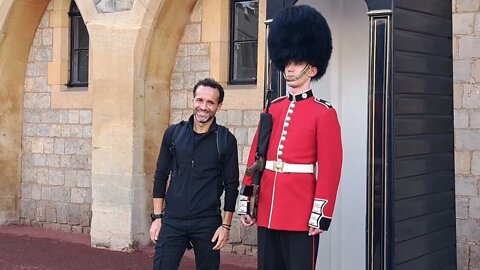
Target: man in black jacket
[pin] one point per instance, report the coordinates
(200, 170)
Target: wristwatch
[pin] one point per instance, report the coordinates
(154, 216)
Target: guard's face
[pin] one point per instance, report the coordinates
(205, 103)
(292, 74)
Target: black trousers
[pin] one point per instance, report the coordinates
(177, 234)
(286, 250)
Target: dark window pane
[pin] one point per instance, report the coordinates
(83, 66)
(243, 42)
(79, 75)
(82, 34)
(78, 49)
(74, 65)
(245, 26)
(244, 61)
(73, 8)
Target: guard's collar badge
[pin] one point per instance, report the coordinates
(301, 96)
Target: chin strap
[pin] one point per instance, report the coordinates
(292, 78)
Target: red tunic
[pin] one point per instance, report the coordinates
(305, 131)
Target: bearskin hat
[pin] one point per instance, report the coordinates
(300, 33)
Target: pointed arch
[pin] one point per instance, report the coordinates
(18, 24)
(158, 61)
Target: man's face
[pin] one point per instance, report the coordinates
(205, 103)
(293, 69)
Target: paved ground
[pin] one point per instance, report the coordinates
(31, 248)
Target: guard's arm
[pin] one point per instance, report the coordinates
(231, 175)
(246, 189)
(329, 158)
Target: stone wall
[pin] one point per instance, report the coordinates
(192, 64)
(466, 30)
(56, 143)
(111, 6)
(56, 160)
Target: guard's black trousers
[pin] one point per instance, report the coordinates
(177, 234)
(286, 250)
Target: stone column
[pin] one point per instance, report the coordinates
(118, 209)
(466, 64)
(123, 71)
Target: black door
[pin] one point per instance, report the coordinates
(411, 223)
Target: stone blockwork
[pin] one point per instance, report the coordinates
(111, 6)
(56, 162)
(192, 64)
(466, 30)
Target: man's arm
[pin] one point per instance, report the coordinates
(231, 175)
(157, 223)
(160, 181)
(163, 165)
(227, 218)
(223, 232)
(157, 205)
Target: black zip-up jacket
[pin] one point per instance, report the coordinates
(196, 185)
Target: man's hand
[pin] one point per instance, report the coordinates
(314, 231)
(247, 220)
(221, 236)
(155, 229)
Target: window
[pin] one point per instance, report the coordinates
(243, 42)
(78, 48)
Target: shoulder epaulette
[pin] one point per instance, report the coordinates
(324, 103)
(278, 99)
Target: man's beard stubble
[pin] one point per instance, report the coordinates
(210, 117)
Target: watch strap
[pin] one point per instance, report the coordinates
(154, 216)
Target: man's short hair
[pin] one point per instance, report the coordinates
(209, 82)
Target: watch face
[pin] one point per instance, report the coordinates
(154, 217)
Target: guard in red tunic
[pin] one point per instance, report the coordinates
(299, 185)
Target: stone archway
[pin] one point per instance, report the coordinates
(130, 111)
(159, 62)
(18, 27)
(149, 34)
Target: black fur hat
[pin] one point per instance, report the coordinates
(300, 33)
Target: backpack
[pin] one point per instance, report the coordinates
(179, 132)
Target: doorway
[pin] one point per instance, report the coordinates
(345, 85)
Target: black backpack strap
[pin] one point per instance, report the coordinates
(172, 141)
(222, 144)
(222, 138)
(178, 131)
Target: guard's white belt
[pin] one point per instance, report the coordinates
(283, 167)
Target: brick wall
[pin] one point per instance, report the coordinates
(56, 143)
(466, 43)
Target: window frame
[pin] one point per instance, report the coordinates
(75, 18)
(232, 44)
